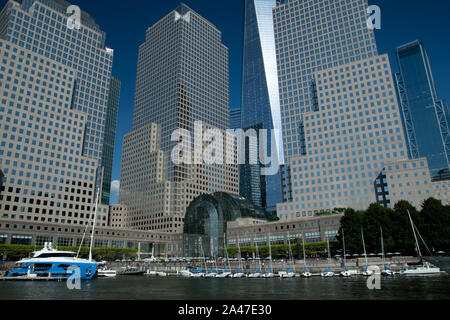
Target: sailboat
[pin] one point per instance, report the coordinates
(306, 273)
(239, 274)
(255, 273)
(269, 273)
(288, 273)
(212, 273)
(344, 273)
(367, 272)
(425, 269)
(387, 271)
(199, 273)
(328, 273)
(226, 273)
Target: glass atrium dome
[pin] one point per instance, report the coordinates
(205, 223)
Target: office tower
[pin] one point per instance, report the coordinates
(260, 104)
(182, 79)
(338, 106)
(46, 176)
(425, 117)
(409, 180)
(110, 135)
(2, 178)
(235, 119)
(41, 26)
(311, 37)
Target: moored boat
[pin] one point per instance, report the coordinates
(426, 269)
(106, 273)
(53, 263)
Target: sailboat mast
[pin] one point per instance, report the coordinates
(239, 250)
(414, 232)
(270, 254)
(329, 253)
(257, 255)
(304, 255)
(343, 243)
(203, 254)
(364, 245)
(93, 226)
(290, 253)
(382, 246)
(226, 250)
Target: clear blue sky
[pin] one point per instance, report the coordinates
(125, 23)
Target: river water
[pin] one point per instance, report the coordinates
(174, 288)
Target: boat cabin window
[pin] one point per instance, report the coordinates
(41, 266)
(66, 266)
(56, 254)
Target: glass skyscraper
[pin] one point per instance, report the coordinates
(425, 117)
(260, 106)
(110, 135)
(182, 77)
(235, 119)
(41, 26)
(338, 106)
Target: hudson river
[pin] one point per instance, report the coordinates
(174, 288)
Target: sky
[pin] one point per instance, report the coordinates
(125, 23)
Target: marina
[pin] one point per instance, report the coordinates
(178, 288)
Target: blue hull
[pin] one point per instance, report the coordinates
(58, 270)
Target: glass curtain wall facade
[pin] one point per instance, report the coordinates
(339, 109)
(425, 117)
(41, 26)
(110, 136)
(260, 98)
(206, 221)
(312, 36)
(235, 119)
(182, 78)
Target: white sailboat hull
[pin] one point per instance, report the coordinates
(106, 273)
(306, 275)
(254, 275)
(284, 274)
(224, 275)
(211, 275)
(198, 275)
(268, 275)
(345, 274)
(239, 275)
(421, 271)
(186, 274)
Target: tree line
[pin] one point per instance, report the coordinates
(432, 223)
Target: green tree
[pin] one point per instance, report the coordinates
(435, 225)
(351, 223)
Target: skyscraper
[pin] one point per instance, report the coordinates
(260, 104)
(41, 26)
(182, 79)
(110, 135)
(338, 106)
(425, 117)
(235, 119)
(46, 177)
(55, 85)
